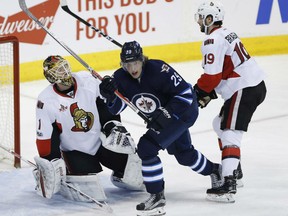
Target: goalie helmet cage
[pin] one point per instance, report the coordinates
(9, 98)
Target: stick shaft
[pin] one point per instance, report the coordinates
(65, 7)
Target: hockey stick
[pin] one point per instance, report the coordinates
(23, 6)
(65, 7)
(103, 206)
(18, 156)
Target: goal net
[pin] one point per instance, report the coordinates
(9, 100)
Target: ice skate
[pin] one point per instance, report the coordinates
(239, 175)
(224, 193)
(216, 176)
(153, 206)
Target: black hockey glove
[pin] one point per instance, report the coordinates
(107, 88)
(203, 97)
(160, 119)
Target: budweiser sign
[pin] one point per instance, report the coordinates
(27, 31)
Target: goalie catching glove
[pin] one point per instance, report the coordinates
(203, 97)
(48, 176)
(116, 138)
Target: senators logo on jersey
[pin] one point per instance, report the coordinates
(83, 120)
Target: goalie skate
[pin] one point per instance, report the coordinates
(222, 198)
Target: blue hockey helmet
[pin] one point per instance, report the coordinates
(131, 51)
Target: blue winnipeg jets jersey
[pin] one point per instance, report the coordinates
(159, 86)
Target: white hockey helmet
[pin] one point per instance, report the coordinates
(57, 70)
(210, 8)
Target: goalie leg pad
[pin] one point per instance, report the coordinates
(88, 184)
(132, 179)
(48, 176)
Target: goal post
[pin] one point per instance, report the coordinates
(9, 99)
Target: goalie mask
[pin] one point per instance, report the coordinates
(210, 8)
(57, 70)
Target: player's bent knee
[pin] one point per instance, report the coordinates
(147, 149)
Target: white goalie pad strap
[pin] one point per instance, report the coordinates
(119, 140)
(48, 176)
(87, 184)
(132, 179)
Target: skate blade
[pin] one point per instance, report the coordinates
(154, 212)
(222, 198)
(239, 183)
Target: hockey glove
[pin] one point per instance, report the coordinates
(117, 138)
(107, 88)
(160, 119)
(203, 97)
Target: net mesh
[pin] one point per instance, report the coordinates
(6, 100)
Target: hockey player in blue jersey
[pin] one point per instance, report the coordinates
(171, 105)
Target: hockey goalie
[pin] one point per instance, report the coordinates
(77, 135)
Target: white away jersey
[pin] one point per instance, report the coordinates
(76, 117)
(227, 65)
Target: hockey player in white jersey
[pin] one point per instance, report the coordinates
(232, 73)
(77, 135)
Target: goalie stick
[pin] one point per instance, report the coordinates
(65, 7)
(102, 206)
(23, 6)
